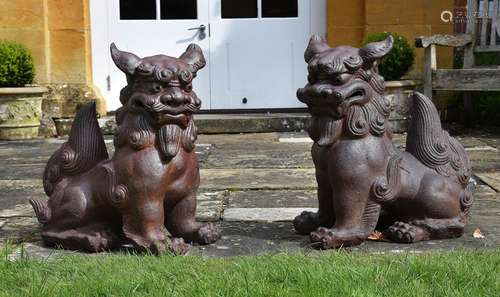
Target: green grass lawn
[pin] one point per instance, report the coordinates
(329, 273)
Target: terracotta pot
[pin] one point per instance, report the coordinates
(20, 112)
(398, 92)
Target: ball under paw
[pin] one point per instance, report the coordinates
(178, 246)
(306, 222)
(209, 233)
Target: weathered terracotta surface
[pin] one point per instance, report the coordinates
(149, 185)
(363, 180)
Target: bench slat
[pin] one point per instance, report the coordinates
(491, 48)
(466, 79)
(443, 40)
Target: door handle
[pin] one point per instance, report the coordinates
(201, 31)
(201, 28)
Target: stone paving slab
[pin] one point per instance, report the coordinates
(249, 138)
(12, 196)
(210, 205)
(273, 199)
(484, 161)
(256, 214)
(265, 155)
(257, 179)
(491, 179)
(19, 229)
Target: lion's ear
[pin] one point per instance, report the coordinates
(374, 51)
(125, 61)
(316, 45)
(194, 57)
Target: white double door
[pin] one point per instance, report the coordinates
(254, 48)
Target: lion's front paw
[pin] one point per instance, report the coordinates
(306, 222)
(208, 233)
(178, 246)
(404, 232)
(324, 237)
(331, 238)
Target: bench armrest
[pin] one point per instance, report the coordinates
(443, 40)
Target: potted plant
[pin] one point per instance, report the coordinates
(20, 101)
(393, 67)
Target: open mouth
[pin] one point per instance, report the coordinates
(179, 119)
(357, 95)
(331, 100)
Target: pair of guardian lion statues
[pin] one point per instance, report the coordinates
(145, 194)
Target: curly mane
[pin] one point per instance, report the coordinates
(138, 133)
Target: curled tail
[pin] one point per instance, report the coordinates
(436, 149)
(42, 210)
(84, 149)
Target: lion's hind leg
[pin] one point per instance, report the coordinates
(94, 238)
(427, 229)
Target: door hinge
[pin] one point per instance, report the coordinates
(108, 83)
(209, 33)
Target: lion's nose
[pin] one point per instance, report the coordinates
(174, 99)
(301, 92)
(149, 102)
(327, 92)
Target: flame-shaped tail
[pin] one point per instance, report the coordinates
(436, 149)
(84, 150)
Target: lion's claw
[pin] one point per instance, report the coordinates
(326, 237)
(178, 246)
(403, 232)
(333, 238)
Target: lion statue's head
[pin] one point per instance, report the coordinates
(344, 93)
(158, 100)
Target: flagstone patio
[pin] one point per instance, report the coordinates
(253, 184)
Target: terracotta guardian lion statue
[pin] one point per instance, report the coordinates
(363, 180)
(149, 185)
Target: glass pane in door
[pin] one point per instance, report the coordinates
(179, 9)
(238, 9)
(137, 9)
(279, 8)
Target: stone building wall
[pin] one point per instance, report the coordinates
(58, 34)
(349, 22)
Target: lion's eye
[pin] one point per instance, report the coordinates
(156, 88)
(185, 76)
(341, 78)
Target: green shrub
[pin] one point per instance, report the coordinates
(399, 60)
(16, 65)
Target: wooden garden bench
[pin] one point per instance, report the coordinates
(482, 35)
